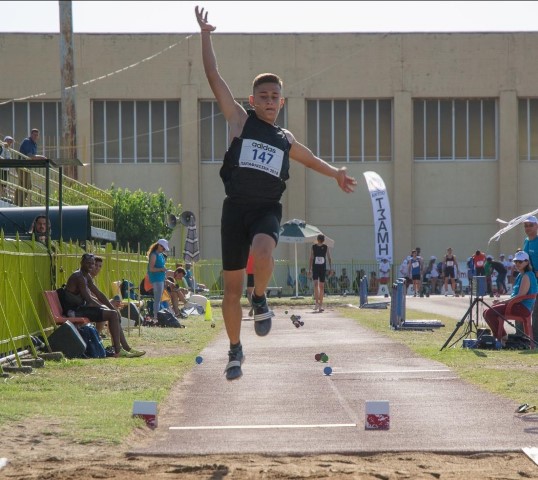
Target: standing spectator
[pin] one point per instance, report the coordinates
(432, 274)
(28, 148)
(500, 280)
(504, 263)
(509, 265)
(470, 270)
(157, 272)
(403, 271)
(5, 153)
(319, 258)
(489, 274)
(251, 212)
(359, 274)
(530, 246)
(415, 272)
(451, 271)
(479, 259)
(384, 271)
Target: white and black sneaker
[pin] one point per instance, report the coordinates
(262, 317)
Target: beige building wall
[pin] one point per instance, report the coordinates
(434, 204)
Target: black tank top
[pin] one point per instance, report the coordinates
(256, 165)
(319, 254)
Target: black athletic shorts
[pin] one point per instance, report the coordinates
(450, 272)
(93, 314)
(240, 222)
(318, 273)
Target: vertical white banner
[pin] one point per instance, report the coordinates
(382, 219)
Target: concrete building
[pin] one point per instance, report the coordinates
(448, 120)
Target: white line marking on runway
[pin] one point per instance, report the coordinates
(251, 427)
(336, 370)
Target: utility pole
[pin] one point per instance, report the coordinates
(67, 66)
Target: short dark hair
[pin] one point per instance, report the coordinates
(266, 78)
(321, 238)
(180, 270)
(98, 259)
(85, 256)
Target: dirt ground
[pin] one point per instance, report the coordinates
(34, 451)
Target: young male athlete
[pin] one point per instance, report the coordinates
(318, 267)
(254, 172)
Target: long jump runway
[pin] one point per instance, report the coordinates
(285, 404)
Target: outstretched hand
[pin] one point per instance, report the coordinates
(346, 183)
(205, 26)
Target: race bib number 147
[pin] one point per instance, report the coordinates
(261, 156)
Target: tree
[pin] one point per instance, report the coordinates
(141, 217)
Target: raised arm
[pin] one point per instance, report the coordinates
(304, 155)
(234, 113)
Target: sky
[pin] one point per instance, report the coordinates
(274, 17)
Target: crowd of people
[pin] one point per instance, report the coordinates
(437, 275)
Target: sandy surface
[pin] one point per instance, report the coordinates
(33, 454)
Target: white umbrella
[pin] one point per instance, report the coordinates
(298, 231)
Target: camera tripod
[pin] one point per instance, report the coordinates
(472, 325)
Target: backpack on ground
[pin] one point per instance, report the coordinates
(167, 319)
(94, 345)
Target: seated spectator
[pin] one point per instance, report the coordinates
(373, 284)
(98, 265)
(84, 298)
(303, 281)
(189, 277)
(525, 284)
(218, 286)
(332, 282)
(128, 314)
(343, 282)
(175, 286)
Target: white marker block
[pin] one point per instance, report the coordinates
(383, 289)
(147, 411)
(377, 415)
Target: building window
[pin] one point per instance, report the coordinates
(350, 130)
(528, 128)
(139, 131)
(458, 129)
(18, 118)
(214, 130)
